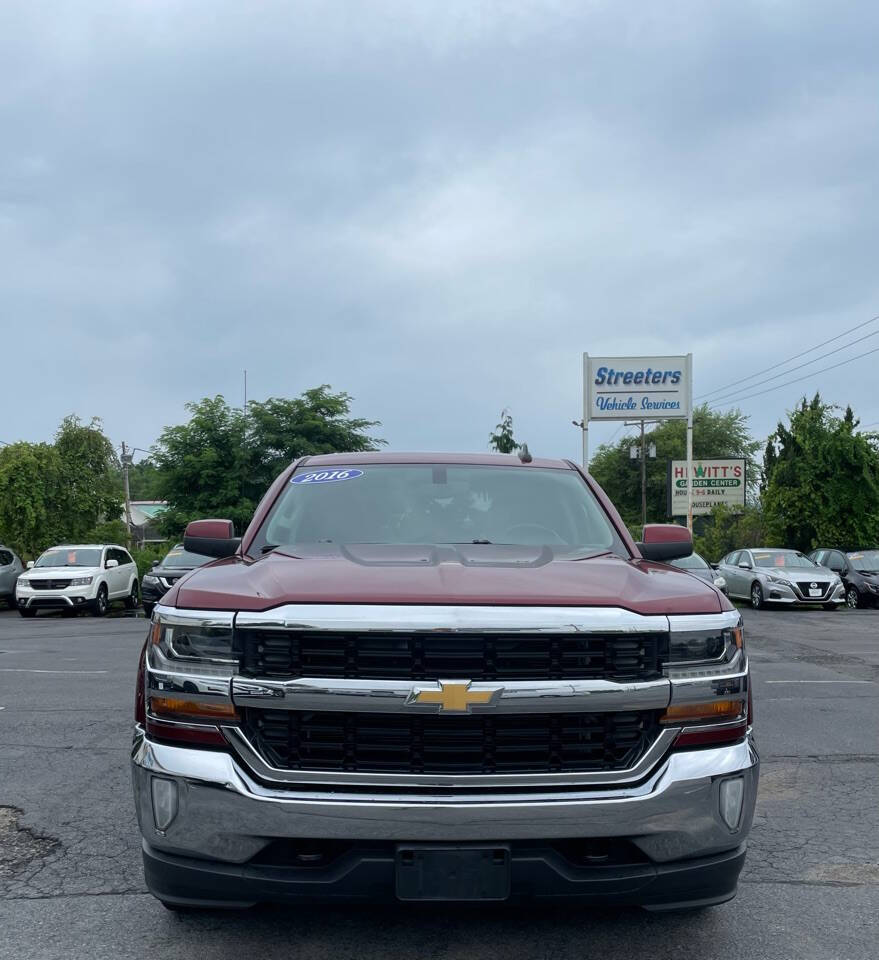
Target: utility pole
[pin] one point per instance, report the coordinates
(643, 478)
(127, 459)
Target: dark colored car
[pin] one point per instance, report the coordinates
(858, 570)
(176, 562)
(702, 569)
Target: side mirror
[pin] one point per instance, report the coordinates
(213, 538)
(30, 564)
(744, 565)
(154, 564)
(664, 542)
(111, 563)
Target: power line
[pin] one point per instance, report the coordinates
(778, 386)
(823, 356)
(796, 356)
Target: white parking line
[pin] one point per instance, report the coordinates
(22, 670)
(817, 681)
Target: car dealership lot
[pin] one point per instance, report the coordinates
(70, 871)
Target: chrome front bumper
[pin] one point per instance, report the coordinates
(223, 814)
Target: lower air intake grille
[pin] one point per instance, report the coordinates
(473, 744)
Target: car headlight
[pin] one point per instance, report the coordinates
(81, 581)
(203, 637)
(772, 578)
(705, 652)
(149, 578)
(22, 582)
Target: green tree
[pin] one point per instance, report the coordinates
(89, 491)
(502, 440)
(715, 434)
(30, 478)
(726, 531)
(821, 480)
(144, 480)
(63, 491)
(219, 463)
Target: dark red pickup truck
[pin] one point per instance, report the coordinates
(442, 677)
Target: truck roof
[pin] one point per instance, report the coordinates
(388, 456)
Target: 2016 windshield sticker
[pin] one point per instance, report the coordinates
(327, 476)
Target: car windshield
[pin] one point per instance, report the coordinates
(693, 562)
(178, 557)
(788, 559)
(70, 557)
(438, 503)
(865, 562)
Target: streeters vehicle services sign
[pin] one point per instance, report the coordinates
(636, 388)
(714, 481)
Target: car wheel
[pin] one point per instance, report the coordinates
(27, 612)
(101, 602)
(852, 597)
(756, 596)
(132, 601)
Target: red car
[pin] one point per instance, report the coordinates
(442, 677)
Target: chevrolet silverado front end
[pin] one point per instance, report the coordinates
(442, 678)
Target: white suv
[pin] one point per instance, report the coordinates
(78, 576)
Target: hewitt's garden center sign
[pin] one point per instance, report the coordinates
(714, 481)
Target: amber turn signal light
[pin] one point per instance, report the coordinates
(181, 709)
(716, 710)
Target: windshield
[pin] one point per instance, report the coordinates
(70, 557)
(790, 560)
(693, 562)
(434, 504)
(178, 557)
(865, 562)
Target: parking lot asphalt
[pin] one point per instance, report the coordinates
(70, 872)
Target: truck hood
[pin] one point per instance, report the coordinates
(449, 574)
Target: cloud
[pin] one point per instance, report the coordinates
(435, 206)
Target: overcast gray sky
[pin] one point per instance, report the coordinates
(436, 206)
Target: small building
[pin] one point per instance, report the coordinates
(144, 521)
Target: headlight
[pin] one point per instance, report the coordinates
(772, 578)
(148, 578)
(706, 652)
(22, 582)
(81, 581)
(198, 636)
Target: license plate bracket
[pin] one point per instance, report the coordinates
(453, 872)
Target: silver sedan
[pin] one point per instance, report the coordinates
(769, 575)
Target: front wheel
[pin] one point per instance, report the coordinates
(852, 597)
(101, 602)
(757, 600)
(132, 601)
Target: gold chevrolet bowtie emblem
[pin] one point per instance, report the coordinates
(454, 696)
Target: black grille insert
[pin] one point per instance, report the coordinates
(471, 744)
(50, 584)
(285, 654)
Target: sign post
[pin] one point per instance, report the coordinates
(639, 388)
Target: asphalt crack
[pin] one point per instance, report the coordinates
(21, 847)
